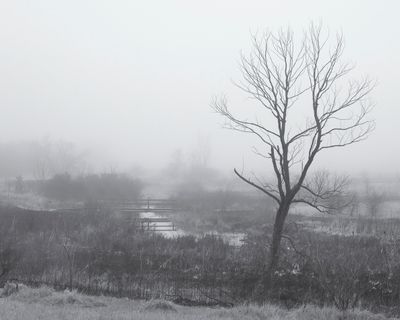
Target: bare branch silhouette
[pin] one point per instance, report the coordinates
(294, 80)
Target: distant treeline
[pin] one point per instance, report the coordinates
(39, 159)
(88, 188)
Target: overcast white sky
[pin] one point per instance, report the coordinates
(135, 78)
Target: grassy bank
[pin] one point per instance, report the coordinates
(47, 304)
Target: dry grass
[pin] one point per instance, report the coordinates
(47, 304)
(160, 305)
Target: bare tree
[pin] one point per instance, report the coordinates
(308, 105)
(202, 152)
(373, 199)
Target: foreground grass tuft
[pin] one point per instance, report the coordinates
(46, 304)
(160, 305)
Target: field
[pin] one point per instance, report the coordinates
(46, 304)
(344, 260)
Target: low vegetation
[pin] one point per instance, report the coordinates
(98, 251)
(332, 261)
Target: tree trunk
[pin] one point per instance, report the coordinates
(276, 239)
(266, 287)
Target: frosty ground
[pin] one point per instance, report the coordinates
(46, 304)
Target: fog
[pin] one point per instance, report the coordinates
(129, 83)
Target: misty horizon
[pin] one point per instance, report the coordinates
(130, 84)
